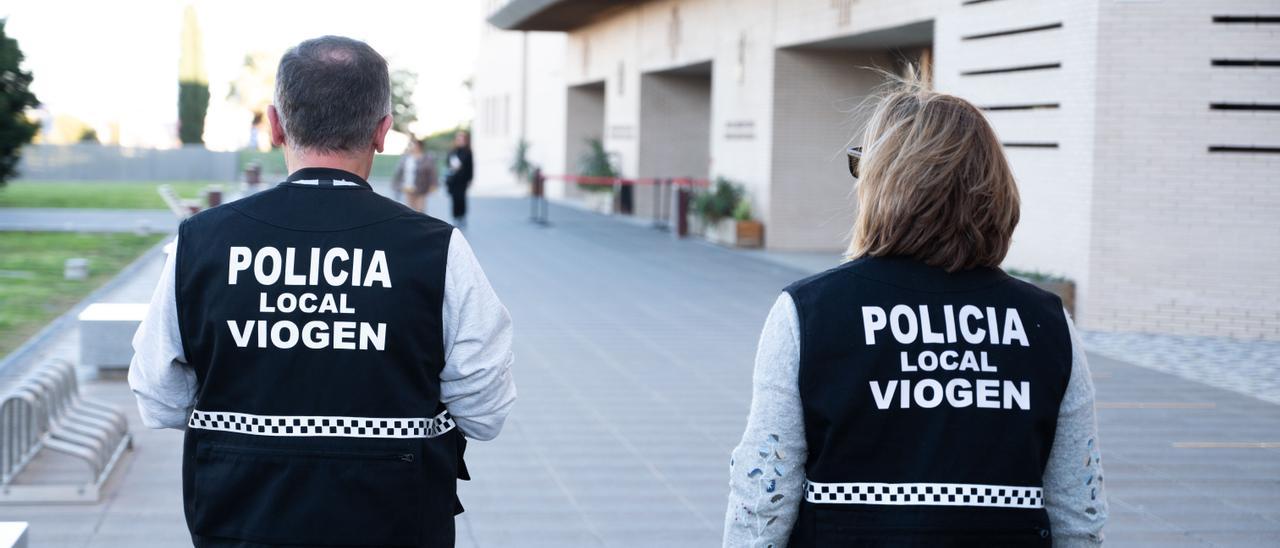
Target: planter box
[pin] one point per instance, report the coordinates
(598, 201)
(697, 227)
(736, 233)
(749, 234)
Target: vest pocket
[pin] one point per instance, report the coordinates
(309, 497)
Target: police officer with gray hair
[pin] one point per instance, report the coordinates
(327, 350)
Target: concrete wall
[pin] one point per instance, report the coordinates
(812, 205)
(584, 121)
(675, 130)
(520, 92)
(1103, 106)
(111, 163)
(1052, 108)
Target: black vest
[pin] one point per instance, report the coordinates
(930, 402)
(311, 314)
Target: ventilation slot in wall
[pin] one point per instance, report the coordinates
(1245, 106)
(1006, 70)
(1027, 106)
(1247, 19)
(1025, 144)
(1243, 149)
(1011, 32)
(1246, 62)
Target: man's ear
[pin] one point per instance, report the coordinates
(277, 128)
(380, 134)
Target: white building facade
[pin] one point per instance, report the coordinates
(1145, 134)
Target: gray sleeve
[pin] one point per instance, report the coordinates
(161, 380)
(1073, 486)
(766, 471)
(476, 384)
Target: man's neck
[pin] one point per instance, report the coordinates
(358, 164)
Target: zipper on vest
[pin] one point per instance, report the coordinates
(334, 455)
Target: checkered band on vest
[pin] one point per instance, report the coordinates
(925, 494)
(347, 427)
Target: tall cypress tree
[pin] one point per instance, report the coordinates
(15, 98)
(193, 83)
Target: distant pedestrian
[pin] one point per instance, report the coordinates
(917, 395)
(415, 175)
(459, 178)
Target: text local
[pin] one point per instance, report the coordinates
(335, 267)
(974, 325)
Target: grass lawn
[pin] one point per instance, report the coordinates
(273, 168)
(95, 194)
(32, 289)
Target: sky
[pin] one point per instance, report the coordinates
(114, 64)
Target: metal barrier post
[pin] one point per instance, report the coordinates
(682, 212)
(538, 208)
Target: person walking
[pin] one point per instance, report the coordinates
(416, 174)
(458, 180)
(326, 349)
(917, 395)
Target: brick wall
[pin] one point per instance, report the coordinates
(675, 130)
(1185, 240)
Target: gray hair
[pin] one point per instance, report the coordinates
(331, 93)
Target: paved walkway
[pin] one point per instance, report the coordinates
(1247, 367)
(633, 361)
(86, 220)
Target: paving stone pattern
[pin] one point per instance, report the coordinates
(1249, 367)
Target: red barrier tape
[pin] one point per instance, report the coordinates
(610, 181)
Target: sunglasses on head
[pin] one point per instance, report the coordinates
(855, 155)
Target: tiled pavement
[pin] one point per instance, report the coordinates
(633, 362)
(1247, 367)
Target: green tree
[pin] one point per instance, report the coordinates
(15, 98)
(403, 111)
(193, 83)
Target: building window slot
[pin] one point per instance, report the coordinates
(1011, 32)
(1245, 106)
(1246, 62)
(1027, 144)
(1247, 19)
(1242, 149)
(1027, 106)
(1005, 70)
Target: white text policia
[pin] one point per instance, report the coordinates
(334, 267)
(973, 325)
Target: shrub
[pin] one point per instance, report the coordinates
(720, 202)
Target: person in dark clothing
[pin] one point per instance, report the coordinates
(329, 405)
(459, 178)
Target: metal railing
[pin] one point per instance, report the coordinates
(44, 410)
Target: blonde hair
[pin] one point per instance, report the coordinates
(933, 183)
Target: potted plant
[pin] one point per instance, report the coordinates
(1058, 285)
(597, 162)
(520, 166)
(725, 215)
